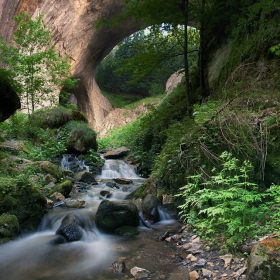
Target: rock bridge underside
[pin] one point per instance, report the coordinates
(72, 25)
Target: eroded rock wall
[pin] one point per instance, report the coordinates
(71, 22)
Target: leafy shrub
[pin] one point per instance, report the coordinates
(15, 127)
(226, 204)
(92, 157)
(203, 113)
(272, 198)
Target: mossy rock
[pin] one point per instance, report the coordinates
(25, 202)
(9, 227)
(126, 231)
(46, 167)
(13, 147)
(65, 188)
(264, 260)
(56, 117)
(80, 138)
(111, 215)
(140, 192)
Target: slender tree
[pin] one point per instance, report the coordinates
(36, 67)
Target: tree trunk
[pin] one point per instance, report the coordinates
(204, 91)
(185, 5)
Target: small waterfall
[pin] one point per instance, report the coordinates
(164, 216)
(117, 169)
(36, 256)
(69, 162)
(82, 165)
(65, 165)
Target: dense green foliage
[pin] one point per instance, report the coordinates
(228, 204)
(157, 52)
(28, 144)
(232, 197)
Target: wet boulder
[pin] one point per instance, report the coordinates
(71, 228)
(14, 147)
(111, 215)
(105, 194)
(57, 241)
(149, 207)
(85, 177)
(112, 185)
(22, 197)
(74, 203)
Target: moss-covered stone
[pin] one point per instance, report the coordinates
(65, 188)
(55, 117)
(264, 260)
(114, 214)
(23, 201)
(14, 147)
(138, 193)
(9, 227)
(80, 138)
(46, 167)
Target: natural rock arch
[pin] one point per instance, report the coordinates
(72, 22)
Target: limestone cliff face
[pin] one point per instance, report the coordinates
(71, 22)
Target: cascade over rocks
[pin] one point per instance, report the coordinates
(73, 33)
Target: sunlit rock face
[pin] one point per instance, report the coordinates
(72, 25)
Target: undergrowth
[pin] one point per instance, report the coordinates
(228, 204)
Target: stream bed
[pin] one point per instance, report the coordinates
(36, 257)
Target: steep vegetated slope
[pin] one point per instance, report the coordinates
(232, 139)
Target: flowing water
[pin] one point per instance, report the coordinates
(35, 257)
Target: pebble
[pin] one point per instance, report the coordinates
(193, 275)
(201, 263)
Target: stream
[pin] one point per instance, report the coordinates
(35, 257)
